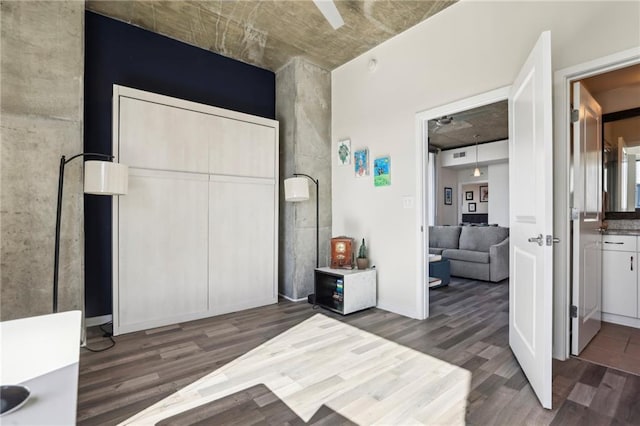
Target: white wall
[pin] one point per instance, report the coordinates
(492, 152)
(465, 177)
(446, 178)
(467, 49)
(499, 194)
(474, 188)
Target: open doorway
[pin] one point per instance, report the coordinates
(605, 156)
(467, 185)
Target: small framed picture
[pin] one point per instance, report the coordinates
(448, 196)
(382, 171)
(472, 207)
(344, 152)
(361, 161)
(484, 194)
(468, 195)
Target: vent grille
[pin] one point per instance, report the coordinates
(459, 154)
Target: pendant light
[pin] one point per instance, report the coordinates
(476, 171)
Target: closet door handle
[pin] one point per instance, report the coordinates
(613, 242)
(631, 263)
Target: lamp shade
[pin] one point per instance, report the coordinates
(105, 178)
(296, 189)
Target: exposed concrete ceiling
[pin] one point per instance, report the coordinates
(490, 123)
(268, 33)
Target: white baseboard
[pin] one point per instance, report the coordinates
(302, 299)
(621, 320)
(93, 321)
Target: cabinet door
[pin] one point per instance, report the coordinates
(243, 245)
(619, 283)
(163, 137)
(162, 262)
(241, 148)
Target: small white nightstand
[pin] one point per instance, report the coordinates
(345, 290)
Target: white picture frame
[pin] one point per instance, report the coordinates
(343, 152)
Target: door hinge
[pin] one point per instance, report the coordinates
(574, 311)
(575, 115)
(575, 213)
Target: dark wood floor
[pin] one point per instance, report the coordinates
(468, 327)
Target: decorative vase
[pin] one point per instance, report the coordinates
(362, 262)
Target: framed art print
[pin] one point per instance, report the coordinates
(361, 162)
(448, 196)
(344, 152)
(484, 194)
(472, 207)
(381, 171)
(468, 195)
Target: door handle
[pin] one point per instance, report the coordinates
(539, 239)
(613, 242)
(631, 263)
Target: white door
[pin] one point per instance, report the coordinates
(587, 200)
(531, 221)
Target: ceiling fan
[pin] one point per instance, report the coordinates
(330, 12)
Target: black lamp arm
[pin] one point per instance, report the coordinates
(56, 256)
(312, 179)
(88, 154)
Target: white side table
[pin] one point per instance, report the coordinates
(345, 290)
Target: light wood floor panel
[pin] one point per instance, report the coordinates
(327, 350)
(133, 376)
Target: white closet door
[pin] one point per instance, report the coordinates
(163, 137)
(163, 240)
(245, 149)
(243, 244)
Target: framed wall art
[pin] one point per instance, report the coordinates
(484, 194)
(472, 207)
(468, 195)
(382, 171)
(344, 152)
(448, 196)
(361, 162)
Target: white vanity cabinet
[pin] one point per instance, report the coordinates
(620, 279)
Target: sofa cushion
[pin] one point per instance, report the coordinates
(444, 236)
(481, 238)
(467, 255)
(435, 250)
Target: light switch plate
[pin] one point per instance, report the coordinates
(407, 202)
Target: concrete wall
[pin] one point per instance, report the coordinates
(303, 107)
(42, 101)
(486, 44)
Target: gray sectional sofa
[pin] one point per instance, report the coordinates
(477, 252)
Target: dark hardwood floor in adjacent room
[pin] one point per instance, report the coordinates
(468, 327)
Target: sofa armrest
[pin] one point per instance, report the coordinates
(499, 261)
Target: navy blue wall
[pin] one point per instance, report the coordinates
(118, 53)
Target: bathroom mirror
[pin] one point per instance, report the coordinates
(621, 164)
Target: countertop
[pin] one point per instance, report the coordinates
(631, 232)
